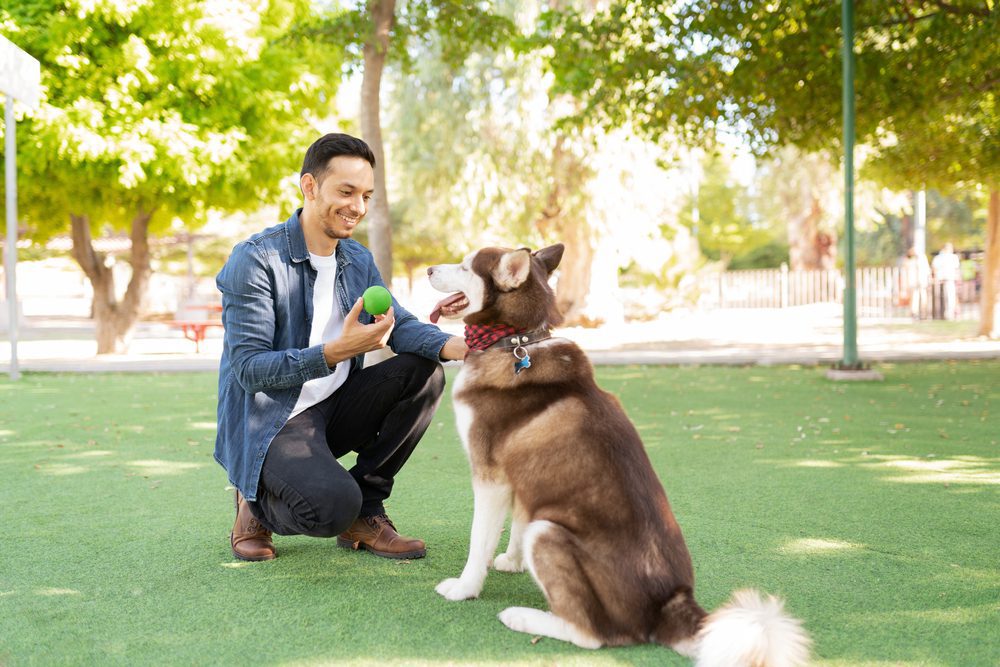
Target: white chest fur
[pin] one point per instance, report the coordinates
(463, 410)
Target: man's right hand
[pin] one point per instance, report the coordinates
(357, 338)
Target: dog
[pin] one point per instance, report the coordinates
(591, 521)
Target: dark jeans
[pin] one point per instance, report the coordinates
(380, 412)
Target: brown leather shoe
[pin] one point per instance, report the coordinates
(249, 539)
(377, 535)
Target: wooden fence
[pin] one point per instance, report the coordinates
(879, 292)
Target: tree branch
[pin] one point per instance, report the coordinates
(83, 248)
(943, 7)
(962, 11)
(136, 289)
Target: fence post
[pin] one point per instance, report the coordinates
(783, 278)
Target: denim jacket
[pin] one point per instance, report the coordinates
(267, 300)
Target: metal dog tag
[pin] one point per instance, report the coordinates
(521, 364)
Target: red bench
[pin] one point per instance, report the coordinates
(195, 330)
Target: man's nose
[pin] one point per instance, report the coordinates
(358, 204)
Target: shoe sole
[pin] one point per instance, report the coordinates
(346, 544)
(252, 560)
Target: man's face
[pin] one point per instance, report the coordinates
(339, 201)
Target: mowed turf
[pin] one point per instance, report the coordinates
(872, 508)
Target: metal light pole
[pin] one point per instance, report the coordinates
(10, 260)
(849, 368)
(850, 360)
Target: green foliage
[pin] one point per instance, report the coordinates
(473, 149)
(727, 228)
(457, 29)
(170, 106)
(771, 254)
(927, 77)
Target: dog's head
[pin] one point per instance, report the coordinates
(500, 286)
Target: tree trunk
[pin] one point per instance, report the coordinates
(113, 320)
(382, 14)
(809, 247)
(988, 325)
(577, 293)
(575, 272)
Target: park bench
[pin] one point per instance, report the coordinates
(195, 319)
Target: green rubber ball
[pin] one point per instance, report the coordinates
(377, 300)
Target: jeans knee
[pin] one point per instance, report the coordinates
(423, 375)
(336, 511)
(435, 383)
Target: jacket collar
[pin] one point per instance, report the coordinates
(299, 251)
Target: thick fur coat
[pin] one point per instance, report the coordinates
(591, 521)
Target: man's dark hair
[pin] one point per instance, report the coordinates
(332, 145)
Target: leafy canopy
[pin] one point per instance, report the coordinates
(165, 106)
(927, 77)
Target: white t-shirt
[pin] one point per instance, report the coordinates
(327, 324)
(946, 266)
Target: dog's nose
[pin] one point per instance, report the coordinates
(430, 270)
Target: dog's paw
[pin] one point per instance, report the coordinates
(518, 619)
(505, 562)
(457, 589)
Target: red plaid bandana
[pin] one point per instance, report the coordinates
(479, 337)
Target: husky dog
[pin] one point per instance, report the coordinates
(591, 521)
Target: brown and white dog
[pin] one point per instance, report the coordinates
(591, 521)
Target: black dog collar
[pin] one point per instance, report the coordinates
(521, 339)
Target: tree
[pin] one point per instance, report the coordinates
(385, 35)
(726, 227)
(375, 51)
(804, 193)
(928, 74)
(158, 111)
(482, 160)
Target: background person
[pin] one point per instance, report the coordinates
(946, 274)
(293, 393)
(916, 281)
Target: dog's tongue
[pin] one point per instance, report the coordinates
(447, 301)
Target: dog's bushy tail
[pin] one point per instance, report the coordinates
(750, 630)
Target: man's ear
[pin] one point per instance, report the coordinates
(512, 269)
(551, 256)
(308, 185)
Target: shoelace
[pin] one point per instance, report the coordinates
(382, 518)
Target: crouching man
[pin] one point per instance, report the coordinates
(293, 394)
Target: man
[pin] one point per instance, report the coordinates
(293, 393)
(946, 273)
(916, 276)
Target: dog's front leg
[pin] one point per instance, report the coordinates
(512, 560)
(491, 501)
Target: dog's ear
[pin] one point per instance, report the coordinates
(551, 256)
(512, 269)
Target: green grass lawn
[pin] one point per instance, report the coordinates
(873, 508)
